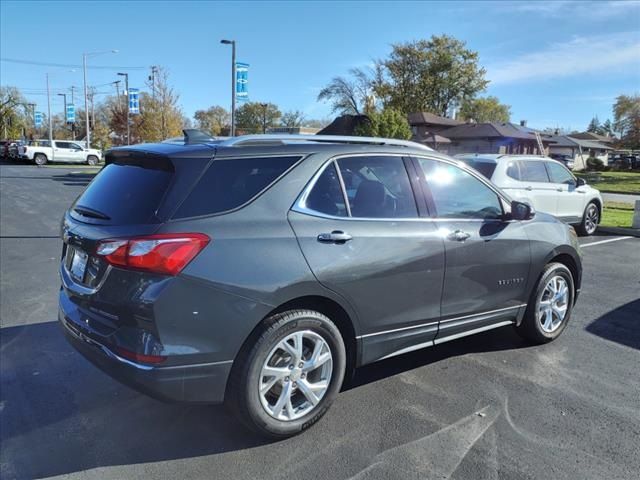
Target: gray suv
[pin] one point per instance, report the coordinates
(260, 271)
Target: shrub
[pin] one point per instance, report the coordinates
(596, 164)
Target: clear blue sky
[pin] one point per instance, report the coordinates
(556, 63)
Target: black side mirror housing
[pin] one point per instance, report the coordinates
(580, 182)
(521, 211)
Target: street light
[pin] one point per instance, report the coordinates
(126, 86)
(86, 103)
(64, 97)
(233, 82)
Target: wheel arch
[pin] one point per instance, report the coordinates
(568, 261)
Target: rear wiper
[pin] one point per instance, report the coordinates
(90, 212)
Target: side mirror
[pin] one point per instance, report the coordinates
(581, 182)
(522, 211)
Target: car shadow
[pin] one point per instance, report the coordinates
(62, 415)
(621, 325)
(74, 179)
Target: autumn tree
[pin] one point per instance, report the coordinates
(626, 116)
(255, 117)
(160, 115)
(214, 120)
(14, 118)
(486, 109)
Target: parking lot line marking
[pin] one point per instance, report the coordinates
(604, 241)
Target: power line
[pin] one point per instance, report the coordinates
(65, 65)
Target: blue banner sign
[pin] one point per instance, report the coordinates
(134, 101)
(37, 119)
(71, 113)
(242, 81)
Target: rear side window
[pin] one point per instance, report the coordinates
(228, 184)
(326, 196)
(532, 171)
(123, 194)
(485, 168)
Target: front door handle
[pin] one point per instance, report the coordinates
(529, 188)
(337, 236)
(458, 236)
(559, 190)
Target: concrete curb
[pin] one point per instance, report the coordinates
(633, 232)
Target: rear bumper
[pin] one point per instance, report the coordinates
(198, 383)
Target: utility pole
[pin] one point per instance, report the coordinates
(73, 125)
(126, 86)
(233, 83)
(152, 78)
(53, 150)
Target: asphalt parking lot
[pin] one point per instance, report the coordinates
(485, 407)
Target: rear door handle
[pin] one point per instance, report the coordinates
(559, 190)
(458, 236)
(529, 188)
(337, 236)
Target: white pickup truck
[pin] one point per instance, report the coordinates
(40, 152)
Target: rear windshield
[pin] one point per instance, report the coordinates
(485, 168)
(228, 184)
(123, 194)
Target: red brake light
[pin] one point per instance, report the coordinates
(165, 253)
(139, 357)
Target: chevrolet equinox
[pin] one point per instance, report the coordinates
(259, 271)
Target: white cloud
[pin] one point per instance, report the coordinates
(581, 55)
(601, 10)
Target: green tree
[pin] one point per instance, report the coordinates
(292, 119)
(626, 120)
(254, 117)
(215, 120)
(606, 128)
(352, 95)
(487, 109)
(388, 123)
(430, 75)
(594, 125)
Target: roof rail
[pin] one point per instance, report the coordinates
(275, 139)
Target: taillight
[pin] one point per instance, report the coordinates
(165, 253)
(139, 357)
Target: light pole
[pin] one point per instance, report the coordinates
(233, 83)
(126, 87)
(86, 104)
(53, 150)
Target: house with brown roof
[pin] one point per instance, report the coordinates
(426, 128)
(494, 137)
(579, 149)
(595, 137)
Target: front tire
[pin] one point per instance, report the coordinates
(40, 159)
(550, 305)
(92, 160)
(288, 375)
(590, 220)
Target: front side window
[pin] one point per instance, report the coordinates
(458, 194)
(378, 187)
(559, 174)
(533, 171)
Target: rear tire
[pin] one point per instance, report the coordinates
(40, 159)
(298, 393)
(590, 220)
(92, 160)
(550, 305)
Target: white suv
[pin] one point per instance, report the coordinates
(544, 183)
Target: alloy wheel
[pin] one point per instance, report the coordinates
(295, 376)
(554, 304)
(591, 219)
